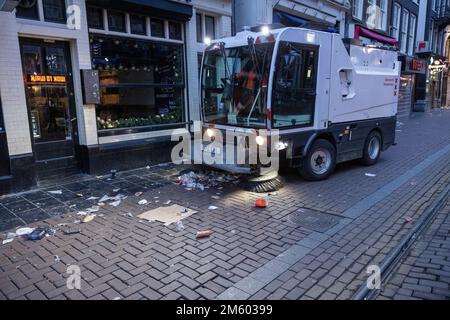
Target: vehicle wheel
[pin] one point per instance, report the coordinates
(320, 161)
(372, 149)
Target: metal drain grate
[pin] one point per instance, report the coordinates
(314, 220)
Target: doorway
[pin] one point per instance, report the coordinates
(4, 155)
(50, 100)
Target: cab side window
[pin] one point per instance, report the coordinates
(294, 93)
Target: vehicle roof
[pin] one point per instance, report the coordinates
(240, 38)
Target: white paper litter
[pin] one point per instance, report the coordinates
(143, 202)
(24, 231)
(371, 175)
(56, 192)
(104, 199)
(213, 208)
(6, 241)
(92, 198)
(82, 213)
(115, 203)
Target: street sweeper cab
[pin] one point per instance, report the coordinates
(328, 101)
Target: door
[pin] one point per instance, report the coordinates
(294, 93)
(50, 98)
(4, 156)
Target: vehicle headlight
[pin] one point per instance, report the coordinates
(260, 141)
(210, 132)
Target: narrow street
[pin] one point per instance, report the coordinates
(314, 241)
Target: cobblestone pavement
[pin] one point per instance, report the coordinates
(276, 253)
(425, 273)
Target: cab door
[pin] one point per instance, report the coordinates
(295, 85)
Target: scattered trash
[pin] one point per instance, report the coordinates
(204, 234)
(129, 215)
(50, 232)
(93, 209)
(116, 190)
(216, 197)
(56, 192)
(213, 208)
(408, 219)
(413, 183)
(138, 194)
(73, 206)
(57, 259)
(24, 231)
(116, 203)
(92, 198)
(371, 175)
(148, 167)
(113, 174)
(80, 195)
(6, 241)
(143, 202)
(180, 226)
(104, 199)
(89, 218)
(71, 231)
(261, 203)
(9, 238)
(272, 194)
(202, 181)
(168, 202)
(37, 234)
(167, 215)
(82, 213)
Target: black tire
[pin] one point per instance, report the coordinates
(372, 149)
(324, 169)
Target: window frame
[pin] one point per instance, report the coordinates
(203, 17)
(62, 21)
(404, 31)
(143, 19)
(358, 4)
(396, 18)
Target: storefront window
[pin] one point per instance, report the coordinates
(141, 83)
(116, 21)
(55, 10)
(95, 17)
(138, 24)
(157, 27)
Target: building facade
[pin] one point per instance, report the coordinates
(329, 14)
(98, 85)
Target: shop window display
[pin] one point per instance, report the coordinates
(141, 83)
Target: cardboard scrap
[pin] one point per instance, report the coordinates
(167, 215)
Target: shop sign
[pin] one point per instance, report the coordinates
(46, 79)
(415, 66)
(423, 46)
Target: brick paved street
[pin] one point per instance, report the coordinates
(425, 273)
(252, 254)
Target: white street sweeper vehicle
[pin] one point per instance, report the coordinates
(329, 101)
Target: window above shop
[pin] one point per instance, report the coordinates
(95, 17)
(106, 20)
(52, 10)
(116, 21)
(206, 27)
(138, 24)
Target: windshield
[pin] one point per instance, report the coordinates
(234, 85)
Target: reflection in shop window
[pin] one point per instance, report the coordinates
(141, 82)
